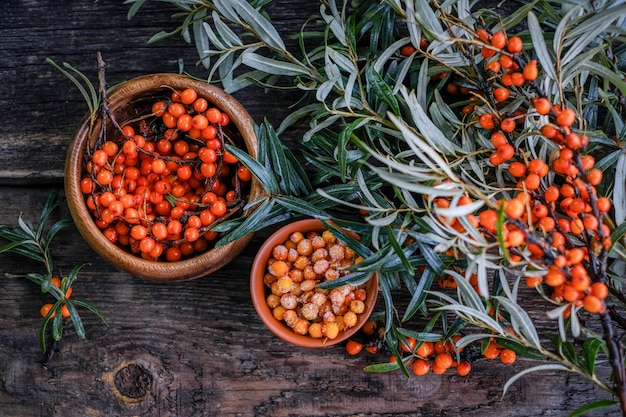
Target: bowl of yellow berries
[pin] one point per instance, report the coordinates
(291, 284)
(147, 185)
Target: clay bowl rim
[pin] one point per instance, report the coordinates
(259, 293)
(123, 95)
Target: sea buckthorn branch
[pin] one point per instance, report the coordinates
(35, 242)
(475, 191)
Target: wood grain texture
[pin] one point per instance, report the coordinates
(183, 349)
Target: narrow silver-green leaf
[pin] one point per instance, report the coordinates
(259, 24)
(541, 49)
(521, 321)
(549, 367)
(272, 66)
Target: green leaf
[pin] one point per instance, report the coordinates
(54, 229)
(272, 66)
(520, 321)
(201, 38)
(382, 90)
(136, 5)
(355, 279)
(419, 295)
(539, 43)
(591, 347)
(302, 207)
(92, 308)
(595, 405)
(259, 24)
(76, 320)
(605, 74)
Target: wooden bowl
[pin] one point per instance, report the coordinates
(259, 291)
(124, 101)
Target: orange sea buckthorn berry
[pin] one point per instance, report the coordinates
(506, 62)
(600, 290)
(492, 351)
(530, 70)
(593, 304)
(501, 94)
(353, 347)
(45, 309)
(483, 35)
(515, 45)
(425, 349)
(603, 204)
(486, 121)
(533, 282)
(542, 105)
(407, 50)
(514, 209)
(188, 96)
(554, 277)
(494, 66)
(214, 115)
(594, 176)
(487, 52)
(498, 40)
(463, 368)
(507, 356)
(506, 152)
(517, 78)
(65, 312)
(508, 125)
(409, 346)
(498, 139)
(565, 117)
(507, 79)
(420, 367)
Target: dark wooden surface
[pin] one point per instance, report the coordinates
(185, 349)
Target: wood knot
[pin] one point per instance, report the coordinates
(133, 381)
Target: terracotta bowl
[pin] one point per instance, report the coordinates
(259, 291)
(126, 101)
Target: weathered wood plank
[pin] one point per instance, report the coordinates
(185, 349)
(40, 108)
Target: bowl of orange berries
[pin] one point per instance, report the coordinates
(290, 292)
(146, 186)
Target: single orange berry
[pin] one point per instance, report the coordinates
(542, 105)
(501, 94)
(530, 71)
(420, 367)
(593, 304)
(566, 117)
(65, 312)
(514, 209)
(353, 347)
(508, 125)
(463, 368)
(507, 356)
(45, 310)
(600, 290)
(443, 360)
(483, 35)
(486, 121)
(498, 40)
(515, 45)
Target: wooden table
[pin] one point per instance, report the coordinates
(185, 349)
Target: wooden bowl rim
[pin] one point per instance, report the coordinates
(186, 269)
